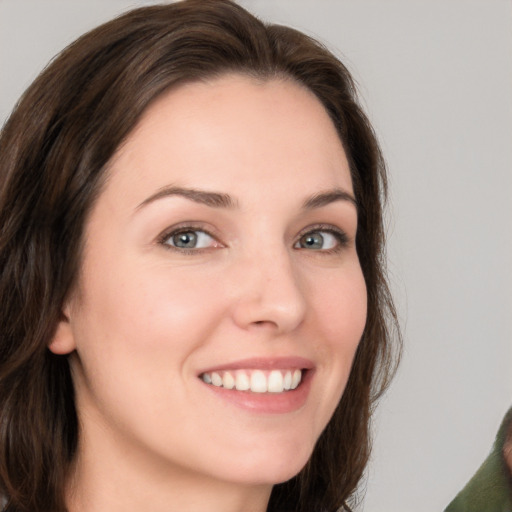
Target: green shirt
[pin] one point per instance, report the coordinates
(490, 489)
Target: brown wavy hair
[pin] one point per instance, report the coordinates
(54, 155)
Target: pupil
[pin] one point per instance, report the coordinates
(188, 239)
(314, 241)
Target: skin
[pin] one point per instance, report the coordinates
(507, 453)
(146, 318)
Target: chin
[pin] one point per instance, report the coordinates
(276, 468)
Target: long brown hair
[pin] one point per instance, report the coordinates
(54, 152)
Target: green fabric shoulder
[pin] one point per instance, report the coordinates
(490, 488)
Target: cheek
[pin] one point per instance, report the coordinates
(342, 308)
(135, 332)
(341, 305)
(338, 307)
(145, 323)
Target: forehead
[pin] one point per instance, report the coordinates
(230, 131)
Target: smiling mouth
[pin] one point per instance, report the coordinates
(256, 381)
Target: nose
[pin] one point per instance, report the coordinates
(269, 293)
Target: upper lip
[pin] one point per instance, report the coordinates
(263, 363)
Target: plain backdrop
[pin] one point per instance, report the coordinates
(435, 77)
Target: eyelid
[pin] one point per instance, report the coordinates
(343, 239)
(183, 227)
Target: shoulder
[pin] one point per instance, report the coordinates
(490, 488)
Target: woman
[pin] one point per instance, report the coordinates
(196, 314)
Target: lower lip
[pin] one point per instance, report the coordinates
(267, 403)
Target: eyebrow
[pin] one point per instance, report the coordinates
(211, 199)
(328, 197)
(222, 200)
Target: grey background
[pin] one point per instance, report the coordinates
(435, 77)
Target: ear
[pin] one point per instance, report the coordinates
(63, 341)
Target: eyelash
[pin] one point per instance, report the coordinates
(340, 236)
(187, 228)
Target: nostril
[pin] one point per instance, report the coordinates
(264, 323)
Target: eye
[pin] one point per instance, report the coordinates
(187, 239)
(328, 240)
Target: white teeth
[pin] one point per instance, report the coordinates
(297, 375)
(275, 382)
(242, 381)
(287, 384)
(216, 379)
(257, 381)
(228, 381)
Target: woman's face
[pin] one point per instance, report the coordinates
(220, 251)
